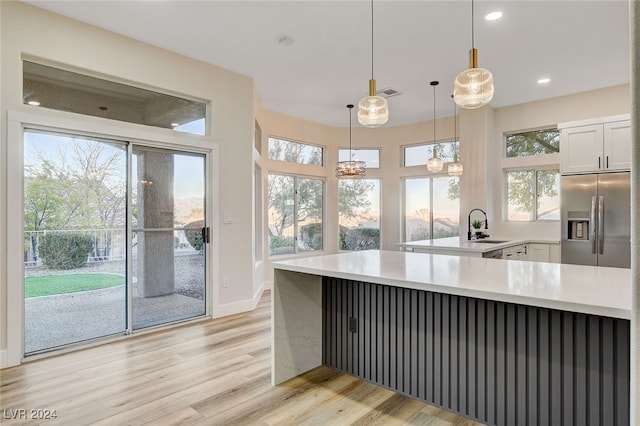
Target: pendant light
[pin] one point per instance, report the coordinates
(435, 163)
(373, 111)
(350, 168)
(473, 87)
(455, 168)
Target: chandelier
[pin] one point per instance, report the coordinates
(350, 168)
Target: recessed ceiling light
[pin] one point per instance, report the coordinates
(544, 80)
(34, 103)
(175, 124)
(493, 16)
(286, 40)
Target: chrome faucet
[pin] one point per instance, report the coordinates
(486, 222)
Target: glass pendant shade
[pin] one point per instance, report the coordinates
(455, 169)
(473, 88)
(373, 111)
(435, 164)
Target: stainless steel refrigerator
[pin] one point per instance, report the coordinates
(596, 219)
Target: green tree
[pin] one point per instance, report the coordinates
(353, 198)
(536, 142)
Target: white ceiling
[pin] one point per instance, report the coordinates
(580, 44)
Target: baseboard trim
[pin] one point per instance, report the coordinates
(4, 359)
(239, 306)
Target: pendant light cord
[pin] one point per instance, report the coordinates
(472, 32)
(371, 39)
(434, 117)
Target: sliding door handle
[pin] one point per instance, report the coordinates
(206, 235)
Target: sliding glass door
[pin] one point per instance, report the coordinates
(74, 239)
(86, 275)
(168, 248)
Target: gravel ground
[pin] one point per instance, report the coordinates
(189, 272)
(68, 318)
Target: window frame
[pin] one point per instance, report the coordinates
(296, 233)
(534, 194)
(431, 178)
(380, 204)
(323, 153)
(429, 146)
(355, 150)
(534, 163)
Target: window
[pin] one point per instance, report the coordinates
(371, 157)
(533, 195)
(537, 142)
(358, 214)
(432, 208)
(62, 90)
(295, 214)
(418, 155)
(295, 152)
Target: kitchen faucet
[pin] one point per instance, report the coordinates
(486, 222)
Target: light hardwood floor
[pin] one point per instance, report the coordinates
(215, 372)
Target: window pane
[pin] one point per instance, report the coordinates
(294, 152)
(417, 217)
(548, 182)
(446, 207)
(537, 142)
(371, 157)
(63, 90)
(418, 155)
(520, 186)
(280, 210)
(309, 214)
(359, 214)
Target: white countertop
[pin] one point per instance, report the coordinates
(461, 244)
(577, 288)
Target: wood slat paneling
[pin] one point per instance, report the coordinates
(499, 363)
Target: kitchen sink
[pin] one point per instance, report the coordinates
(489, 241)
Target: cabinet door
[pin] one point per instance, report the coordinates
(617, 146)
(538, 252)
(581, 149)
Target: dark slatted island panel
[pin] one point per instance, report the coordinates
(499, 363)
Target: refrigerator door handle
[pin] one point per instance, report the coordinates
(592, 219)
(601, 224)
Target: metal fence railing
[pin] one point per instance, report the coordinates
(108, 244)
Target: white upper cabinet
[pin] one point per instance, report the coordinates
(617, 146)
(595, 147)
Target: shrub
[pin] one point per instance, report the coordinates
(194, 236)
(65, 251)
(311, 236)
(359, 238)
(280, 244)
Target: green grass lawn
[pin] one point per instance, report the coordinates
(47, 285)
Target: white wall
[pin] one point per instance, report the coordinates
(32, 32)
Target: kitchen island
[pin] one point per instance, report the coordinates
(504, 342)
(460, 246)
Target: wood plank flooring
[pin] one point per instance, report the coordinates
(215, 372)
